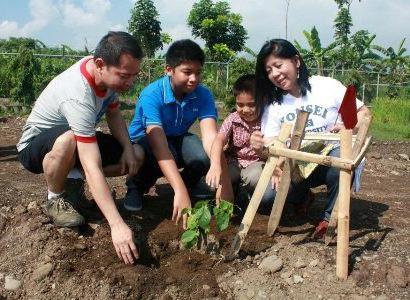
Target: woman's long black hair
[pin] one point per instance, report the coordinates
(266, 92)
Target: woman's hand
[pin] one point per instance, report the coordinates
(277, 173)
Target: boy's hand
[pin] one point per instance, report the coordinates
(181, 201)
(277, 173)
(123, 241)
(336, 128)
(213, 177)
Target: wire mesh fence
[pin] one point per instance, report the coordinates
(219, 76)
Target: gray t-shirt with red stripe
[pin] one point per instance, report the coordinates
(69, 99)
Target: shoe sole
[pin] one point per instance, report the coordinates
(132, 208)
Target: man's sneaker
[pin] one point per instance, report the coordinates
(63, 213)
(321, 229)
(133, 200)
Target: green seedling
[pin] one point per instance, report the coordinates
(199, 219)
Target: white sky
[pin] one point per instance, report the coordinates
(79, 22)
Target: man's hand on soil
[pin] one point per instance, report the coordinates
(123, 240)
(129, 163)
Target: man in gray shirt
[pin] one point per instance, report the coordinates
(60, 137)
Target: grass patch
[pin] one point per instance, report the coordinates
(391, 119)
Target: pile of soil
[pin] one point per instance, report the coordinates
(41, 261)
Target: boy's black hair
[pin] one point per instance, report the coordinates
(266, 92)
(115, 43)
(244, 84)
(183, 50)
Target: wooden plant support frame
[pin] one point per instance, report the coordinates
(349, 159)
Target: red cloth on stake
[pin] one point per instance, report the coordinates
(348, 109)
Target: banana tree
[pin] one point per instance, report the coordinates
(315, 54)
(395, 64)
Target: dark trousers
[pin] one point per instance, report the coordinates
(188, 154)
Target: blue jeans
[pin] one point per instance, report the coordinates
(188, 154)
(321, 175)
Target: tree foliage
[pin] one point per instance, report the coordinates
(24, 67)
(221, 29)
(145, 26)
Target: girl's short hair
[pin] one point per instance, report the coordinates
(266, 92)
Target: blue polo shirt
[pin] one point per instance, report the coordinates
(157, 106)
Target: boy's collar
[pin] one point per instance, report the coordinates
(169, 96)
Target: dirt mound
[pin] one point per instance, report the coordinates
(39, 260)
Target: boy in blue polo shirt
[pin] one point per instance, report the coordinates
(165, 111)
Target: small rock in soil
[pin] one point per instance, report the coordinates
(206, 287)
(11, 284)
(20, 209)
(403, 156)
(395, 173)
(286, 275)
(314, 263)
(289, 281)
(357, 297)
(42, 272)
(262, 295)
(170, 280)
(300, 264)
(375, 155)
(361, 275)
(250, 293)
(32, 205)
(396, 277)
(271, 264)
(80, 246)
(297, 279)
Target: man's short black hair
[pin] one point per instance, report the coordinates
(115, 43)
(183, 50)
(245, 84)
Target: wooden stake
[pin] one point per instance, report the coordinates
(282, 192)
(324, 160)
(260, 189)
(324, 137)
(358, 145)
(342, 251)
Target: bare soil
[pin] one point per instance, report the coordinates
(55, 263)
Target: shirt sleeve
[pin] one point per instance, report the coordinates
(150, 109)
(226, 127)
(81, 119)
(207, 108)
(270, 122)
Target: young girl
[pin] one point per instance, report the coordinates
(245, 166)
(283, 85)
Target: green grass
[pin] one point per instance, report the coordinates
(391, 119)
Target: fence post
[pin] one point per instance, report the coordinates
(227, 75)
(149, 71)
(377, 86)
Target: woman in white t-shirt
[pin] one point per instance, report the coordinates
(283, 85)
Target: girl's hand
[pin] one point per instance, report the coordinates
(213, 177)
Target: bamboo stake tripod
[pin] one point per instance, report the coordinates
(350, 158)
